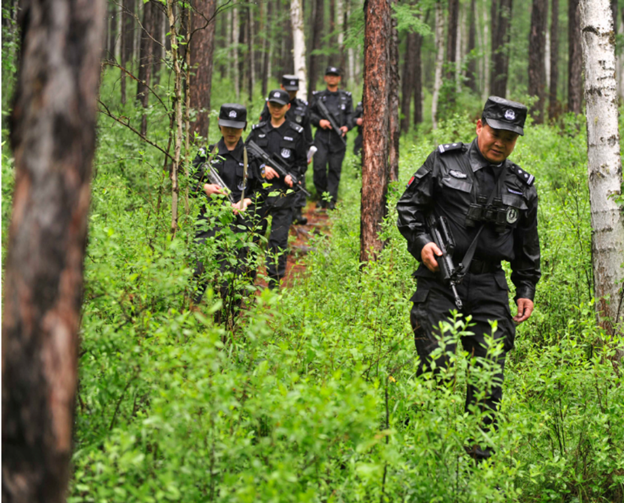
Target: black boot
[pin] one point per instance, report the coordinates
(298, 218)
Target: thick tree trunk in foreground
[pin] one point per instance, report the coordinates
(575, 61)
(377, 31)
(537, 47)
(393, 99)
(202, 50)
(553, 105)
(604, 162)
(53, 140)
(299, 48)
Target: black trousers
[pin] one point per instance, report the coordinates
(486, 298)
(328, 166)
(300, 197)
(277, 247)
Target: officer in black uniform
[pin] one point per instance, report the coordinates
(331, 150)
(285, 141)
(299, 113)
(491, 202)
(228, 158)
(358, 118)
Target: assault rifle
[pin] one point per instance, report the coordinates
(442, 237)
(275, 164)
(331, 120)
(215, 179)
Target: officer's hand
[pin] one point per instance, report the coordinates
(359, 121)
(241, 205)
(428, 255)
(325, 124)
(525, 309)
(288, 181)
(344, 130)
(270, 173)
(211, 188)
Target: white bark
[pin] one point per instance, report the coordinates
(439, 43)
(299, 49)
(339, 23)
(604, 162)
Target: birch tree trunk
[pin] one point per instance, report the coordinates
(377, 29)
(299, 52)
(53, 141)
(604, 162)
(439, 43)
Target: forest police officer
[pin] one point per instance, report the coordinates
(284, 140)
(228, 159)
(331, 144)
(490, 205)
(358, 119)
(299, 113)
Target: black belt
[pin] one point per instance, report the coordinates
(480, 267)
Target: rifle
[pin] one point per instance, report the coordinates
(274, 163)
(331, 120)
(442, 237)
(215, 179)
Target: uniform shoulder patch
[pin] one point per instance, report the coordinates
(259, 125)
(527, 178)
(450, 147)
(295, 126)
(348, 93)
(315, 92)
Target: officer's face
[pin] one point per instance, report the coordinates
(495, 144)
(332, 80)
(231, 135)
(277, 111)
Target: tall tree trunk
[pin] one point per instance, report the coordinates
(299, 49)
(251, 55)
(439, 43)
(332, 26)
(501, 18)
(202, 51)
(350, 51)
(234, 45)
(418, 95)
(575, 61)
(317, 33)
(537, 70)
(112, 30)
(471, 71)
(145, 61)
(553, 106)
(287, 66)
(158, 44)
(128, 29)
(53, 142)
(342, 24)
(393, 98)
(486, 67)
(265, 14)
(407, 84)
(604, 161)
(377, 29)
(451, 39)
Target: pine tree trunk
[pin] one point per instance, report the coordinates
(145, 61)
(342, 24)
(439, 43)
(202, 51)
(451, 39)
(158, 44)
(251, 55)
(393, 98)
(471, 70)
(485, 69)
(128, 29)
(407, 84)
(53, 141)
(299, 49)
(317, 33)
(537, 69)
(501, 17)
(266, 46)
(553, 105)
(234, 58)
(377, 33)
(575, 96)
(604, 161)
(112, 30)
(418, 94)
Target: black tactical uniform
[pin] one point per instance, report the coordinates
(287, 144)
(298, 113)
(357, 146)
(230, 166)
(331, 150)
(458, 183)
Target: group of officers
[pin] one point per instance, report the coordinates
(486, 203)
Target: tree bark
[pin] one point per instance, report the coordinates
(128, 27)
(158, 44)
(575, 96)
(501, 17)
(537, 70)
(553, 104)
(234, 57)
(317, 33)
(377, 29)
(112, 30)
(471, 70)
(251, 55)
(408, 81)
(486, 54)
(393, 98)
(145, 61)
(451, 39)
(604, 161)
(299, 49)
(202, 51)
(439, 43)
(53, 141)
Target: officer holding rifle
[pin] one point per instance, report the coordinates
(467, 209)
(332, 113)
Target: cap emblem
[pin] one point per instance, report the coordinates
(293, 83)
(510, 115)
(232, 114)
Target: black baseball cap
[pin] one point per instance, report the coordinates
(290, 82)
(500, 113)
(332, 70)
(233, 115)
(279, 96)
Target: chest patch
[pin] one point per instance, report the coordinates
(298, 119)
(343, 107)
(285, 153)
(288, 138)
(512, 215)
(458, 174)
(262, 135)
(515, 191)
